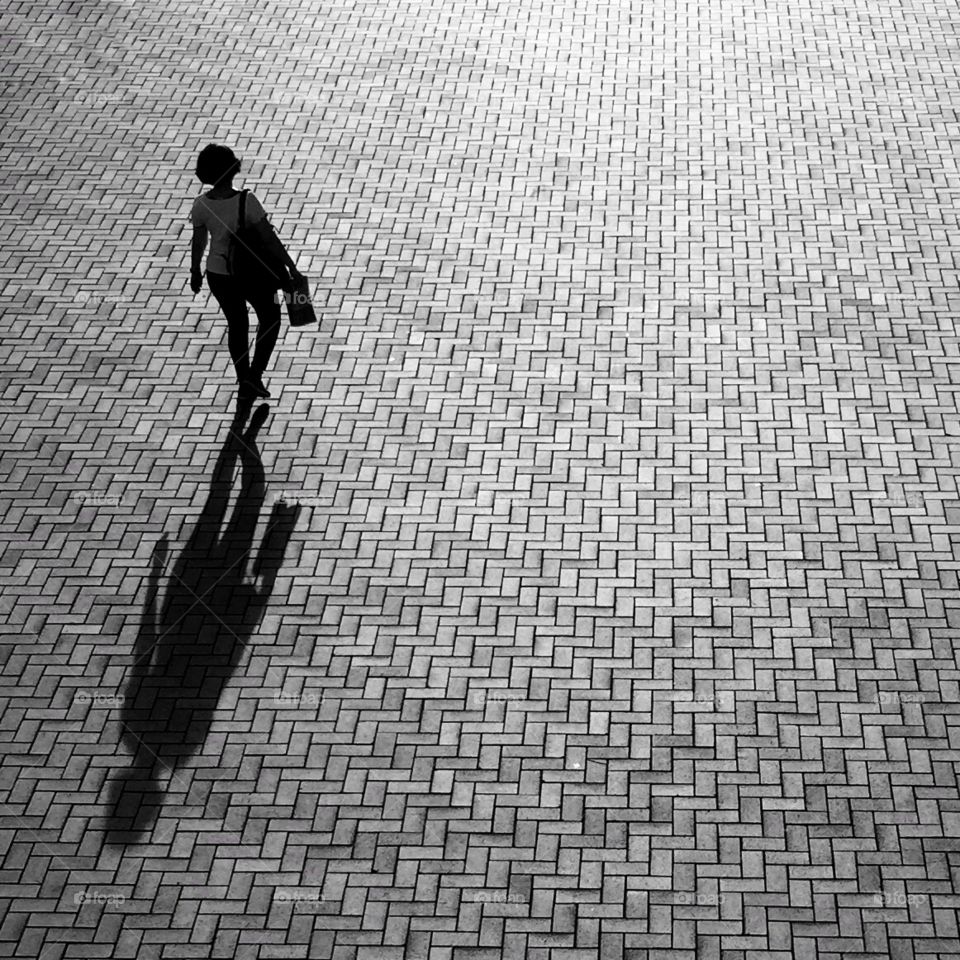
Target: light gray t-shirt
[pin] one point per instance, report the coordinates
(220, 217)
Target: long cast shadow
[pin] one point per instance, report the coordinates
(189, 645)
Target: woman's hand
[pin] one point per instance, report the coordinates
(196, 280)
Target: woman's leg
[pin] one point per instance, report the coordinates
(268, 329)
(234, 308)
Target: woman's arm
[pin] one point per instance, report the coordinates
(288, 261)
(197, 245)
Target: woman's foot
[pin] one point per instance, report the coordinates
(255, 384)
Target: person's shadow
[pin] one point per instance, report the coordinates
(189, 644)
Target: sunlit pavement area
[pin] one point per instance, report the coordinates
(589, 587)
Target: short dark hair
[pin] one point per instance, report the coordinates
(217, 163)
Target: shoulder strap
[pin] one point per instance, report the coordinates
(243, 203)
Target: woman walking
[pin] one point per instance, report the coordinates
(216, 217)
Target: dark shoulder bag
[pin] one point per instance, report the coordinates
(251, 262)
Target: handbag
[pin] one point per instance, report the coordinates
(299, 303)
(251, 262)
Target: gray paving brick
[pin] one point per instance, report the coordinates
(594, 585)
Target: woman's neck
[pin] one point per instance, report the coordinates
(225, 190)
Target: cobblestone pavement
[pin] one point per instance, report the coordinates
(590, 587)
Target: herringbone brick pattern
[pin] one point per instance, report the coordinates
(590, 589)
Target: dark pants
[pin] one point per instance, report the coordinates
(233, 299)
